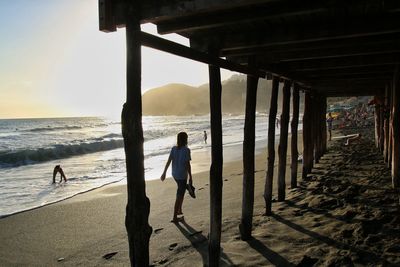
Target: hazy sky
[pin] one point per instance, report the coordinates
(55, 62)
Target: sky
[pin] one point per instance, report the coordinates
(54, 61)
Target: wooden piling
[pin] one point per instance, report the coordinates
(248, 158)
(307, 136)
(389, 163)
(386, 124)
(271, 146)
(382, 126)
(294, 126)
(138, 206)
(216, 166)
(396, 130)
(377, 124)
(282, 149)
(316, 127)
(324, 130)
(321, 123)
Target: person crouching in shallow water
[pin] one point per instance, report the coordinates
(58, 169)
(180, 157)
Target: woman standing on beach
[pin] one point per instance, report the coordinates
(180, 157)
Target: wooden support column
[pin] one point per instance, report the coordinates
(377, 124)
(283, 138)
(389, 164)
(307, 136)
(382, 126)
(216, 166)
(386, 124)
(271, 146)
(321, 125)
(294, 126)
(324, 130)
(316, 127)
(246, 222)
(312, 133)
(138, 206)
(396, 131)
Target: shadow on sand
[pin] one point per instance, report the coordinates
(273, 257)
(199, 242)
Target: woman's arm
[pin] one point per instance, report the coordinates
(166, 168)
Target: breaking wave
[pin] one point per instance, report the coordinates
(32, 156)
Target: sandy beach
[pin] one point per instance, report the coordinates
(344, 214)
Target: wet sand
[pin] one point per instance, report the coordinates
(345, 214)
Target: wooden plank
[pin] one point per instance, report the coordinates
(187, 52)
(309, 32)
(107, 16)
(294, 133)
(138, 206)
(271, 146)
(396, 130)
(319, 51)
(235, 16)
(246, 222)
(344, 71)
(337, 63)
(214, 241)
(282, 149)
(320, 47)
(154, 11)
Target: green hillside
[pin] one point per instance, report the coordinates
(181, 99)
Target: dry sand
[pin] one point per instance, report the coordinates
(345, 214)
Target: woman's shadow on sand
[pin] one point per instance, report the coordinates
(199, 242)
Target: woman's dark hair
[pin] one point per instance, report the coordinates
(181, 139)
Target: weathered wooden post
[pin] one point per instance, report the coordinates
(316, 128)
(271, 146)
(282, 149)
(307, 135)
(386, 124)
(382, 126)
(322, 116)
(248, 159)
(324, 131)
(389, 164)
(377, 117)
(294, 126)
(396, 130)
(216, 166)
(138, 207)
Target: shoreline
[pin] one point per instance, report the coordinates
(201, 160)
(87, 226)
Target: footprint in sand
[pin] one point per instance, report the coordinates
(172, 246)
(201, 188)
(158, 230)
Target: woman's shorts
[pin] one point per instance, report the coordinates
(181, 187)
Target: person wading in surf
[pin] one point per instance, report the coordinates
(58, 169)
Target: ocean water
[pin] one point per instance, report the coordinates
(90, 150)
